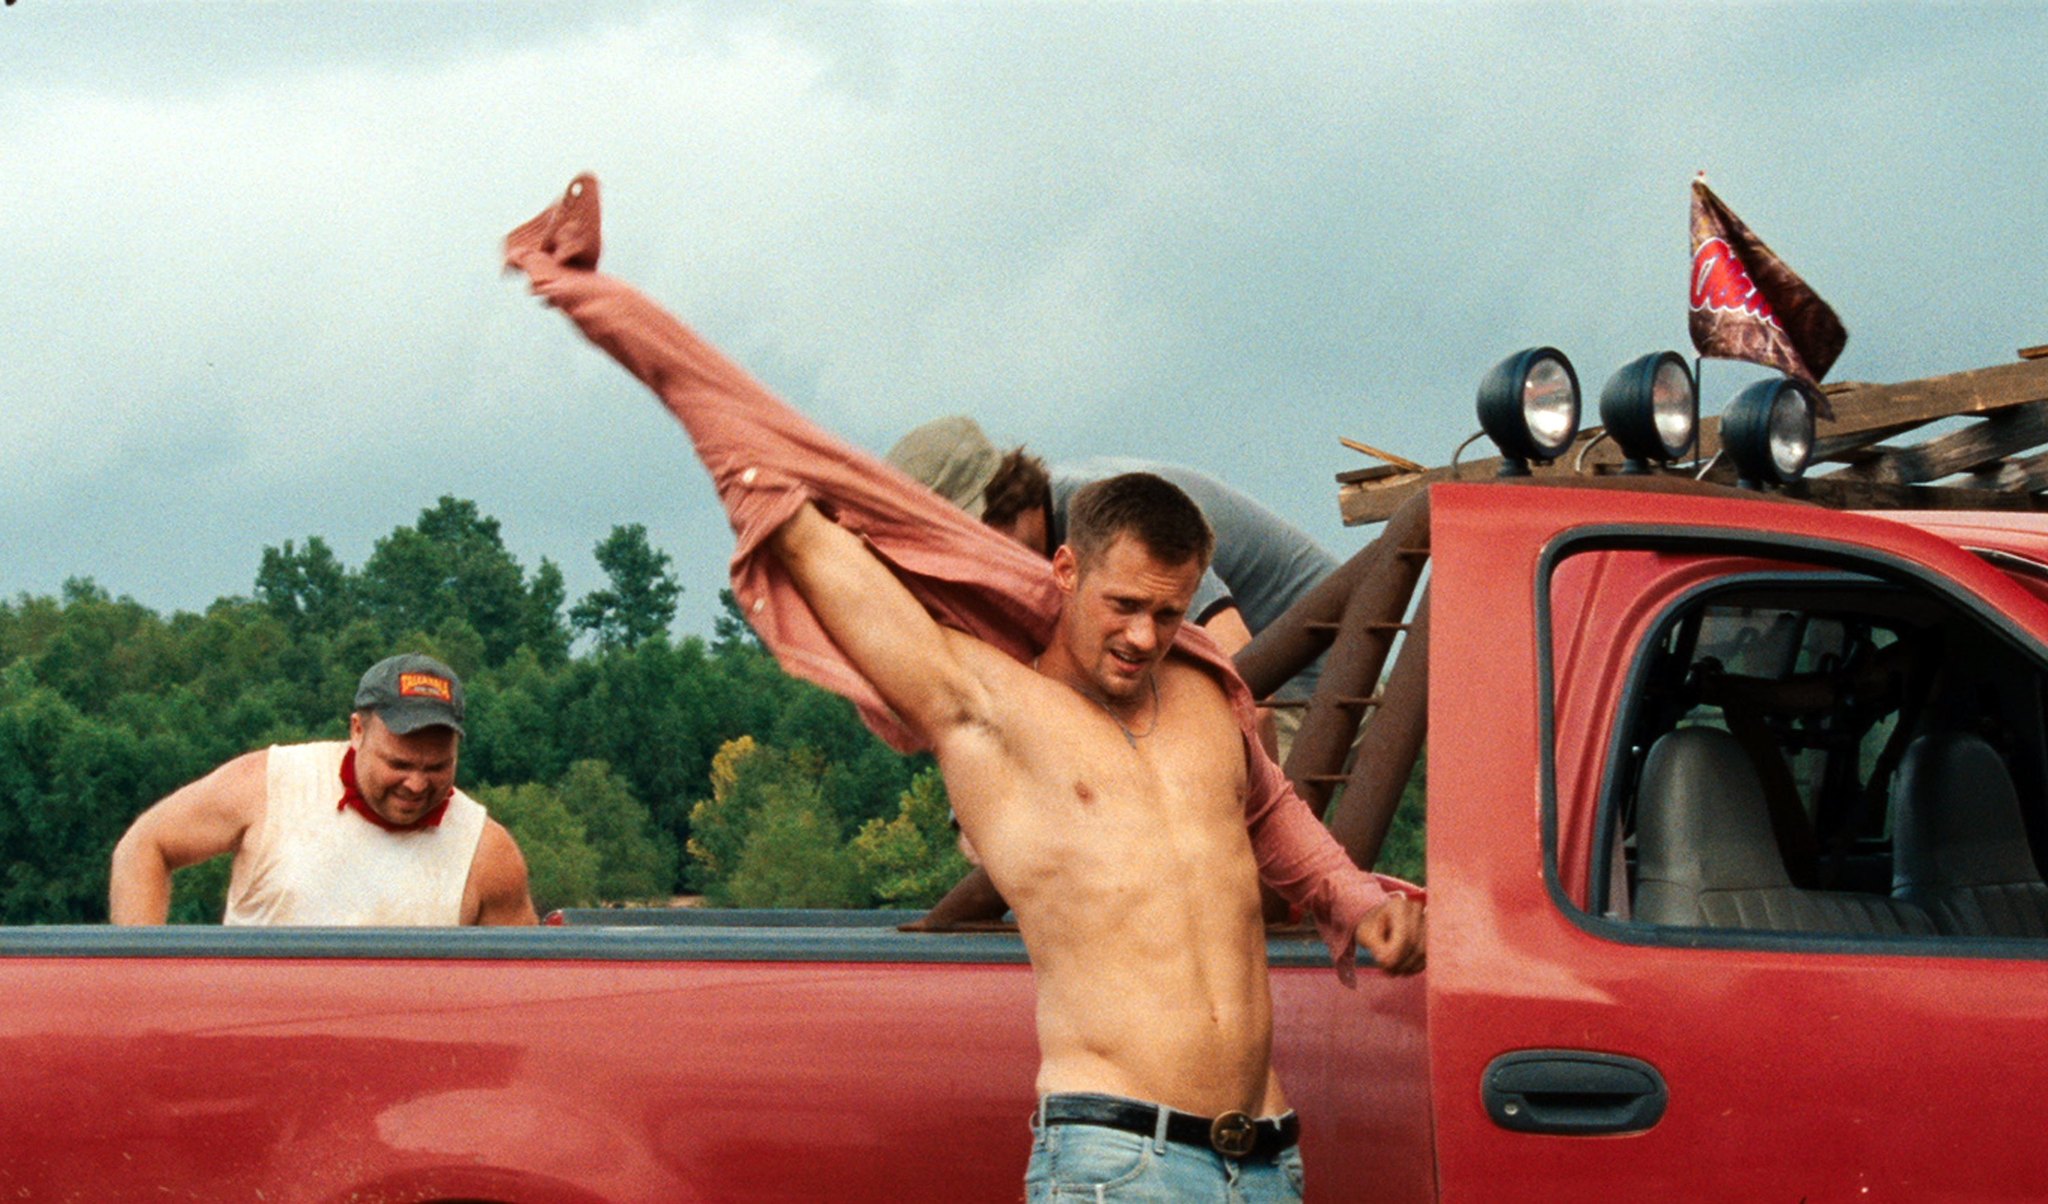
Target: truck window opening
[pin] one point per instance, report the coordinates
(1810, 751)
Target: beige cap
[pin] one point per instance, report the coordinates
(951, 455)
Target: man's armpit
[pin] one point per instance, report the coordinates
(985, 686)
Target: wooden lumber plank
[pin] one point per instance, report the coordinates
(1373, 499)
(2024, 475)
(1402, 463)
(1850, 493)
(1377, 472)
(1864, 407)
(1865, 454)
(1976, 447)
(1371, 495)
(1851, 448)
(1858, 495)
(1874, 495)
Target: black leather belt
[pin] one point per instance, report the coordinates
(1233, 1134)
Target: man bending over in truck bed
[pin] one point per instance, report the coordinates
(371, 831)
(1098, 750)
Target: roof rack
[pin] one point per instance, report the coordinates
(1998, 460)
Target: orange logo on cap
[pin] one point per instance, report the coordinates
(425, 685)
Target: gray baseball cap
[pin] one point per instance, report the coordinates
(951, 455)
(411, 691)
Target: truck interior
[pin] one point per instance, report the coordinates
(1830, 753)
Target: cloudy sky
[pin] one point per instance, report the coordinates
(249, 259)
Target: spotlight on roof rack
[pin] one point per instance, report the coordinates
(1768, 431)
(1529, 407)
(1651, 409)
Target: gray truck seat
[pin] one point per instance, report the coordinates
(1705, 854)
(1960, 846)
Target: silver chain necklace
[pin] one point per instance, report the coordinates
(1130, 737)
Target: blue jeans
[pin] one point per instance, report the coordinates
(1109, 1166)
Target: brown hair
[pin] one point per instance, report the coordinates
(1148, 508)
(1021, 483)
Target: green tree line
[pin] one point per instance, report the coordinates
(629, 764)
(592, 732)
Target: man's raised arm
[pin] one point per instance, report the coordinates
(912, 661)
(769, 463)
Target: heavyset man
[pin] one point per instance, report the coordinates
(370, 831)
(1097, 749)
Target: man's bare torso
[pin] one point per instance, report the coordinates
(1127, 862)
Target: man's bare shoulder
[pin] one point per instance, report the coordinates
(253, 766)
(236, 787)
(497, 853)
(497, 880)
(1192, 678)
(205, 817)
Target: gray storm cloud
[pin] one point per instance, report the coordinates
(253, 290)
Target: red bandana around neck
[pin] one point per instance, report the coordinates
(352, 796)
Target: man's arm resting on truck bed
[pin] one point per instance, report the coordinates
(913, 662)
(1299, 858)
(194, 822)
(497, 881)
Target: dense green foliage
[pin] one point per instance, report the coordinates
(628, 765)
(592, 754)
(770, 836)
(1401, 852)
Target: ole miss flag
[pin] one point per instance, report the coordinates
(1747, 305)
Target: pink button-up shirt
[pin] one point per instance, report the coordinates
(767, 460)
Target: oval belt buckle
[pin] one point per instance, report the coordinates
(1233, 1134)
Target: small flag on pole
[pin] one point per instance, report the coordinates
(1747, 305)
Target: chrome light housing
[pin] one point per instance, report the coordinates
(1529, 407)
(1768, 432)
(1651, 409)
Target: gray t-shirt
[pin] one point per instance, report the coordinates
(1263, 563)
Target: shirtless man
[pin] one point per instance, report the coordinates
(1100, 755)
(1262, 565)
(1106, 789)
(372, 831)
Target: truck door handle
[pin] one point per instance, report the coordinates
(1572, 1092)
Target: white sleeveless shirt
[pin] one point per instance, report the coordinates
(310, 862)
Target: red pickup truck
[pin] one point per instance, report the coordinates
(1734, 813)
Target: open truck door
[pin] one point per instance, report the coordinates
(1735, 815)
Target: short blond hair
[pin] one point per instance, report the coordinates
(1148, 508)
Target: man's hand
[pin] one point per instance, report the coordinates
(1396, 933)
